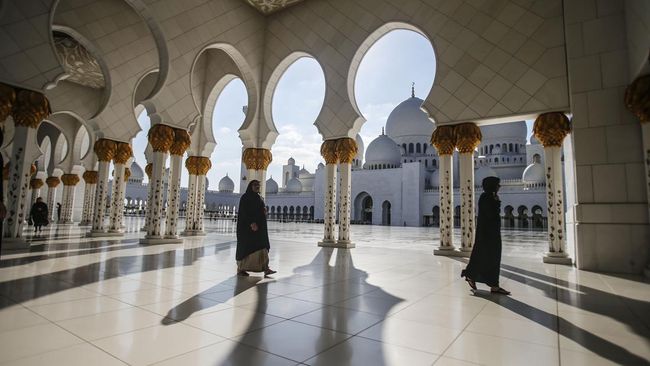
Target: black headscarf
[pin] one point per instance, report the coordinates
(251, 210)
(490, 184)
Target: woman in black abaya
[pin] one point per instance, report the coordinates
(485, 263)
(252, 235)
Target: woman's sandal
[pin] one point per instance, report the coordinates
(471, 283)
(500, 291)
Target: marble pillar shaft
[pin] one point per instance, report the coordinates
(173, 196)
(154, 230)
(89, 204)
(555, 201)
(100, 196)
(200, 202)
(190, 208)
(36, 192)
(259, 175)
(68, 204)
(645, 132)
(51, 206)
(24, 151)
(446, 202)
(467, 211)
(117, 199)
(345, 170)
(330, 203)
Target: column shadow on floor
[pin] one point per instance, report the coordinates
(585, 298)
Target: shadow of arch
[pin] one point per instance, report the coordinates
(363, 49)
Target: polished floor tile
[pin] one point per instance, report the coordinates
(72, 300)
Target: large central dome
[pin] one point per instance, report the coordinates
(407, 121)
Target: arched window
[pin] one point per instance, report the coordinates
(424, 148)
(434, 162)
(491, 148)
(411, 148)
(417, 148)
(404, 147)
(426, 163)
(510, 148)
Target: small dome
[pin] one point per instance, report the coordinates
(383, 150)
(483, 172)
(534, 173)
(303, 173)
(226, 184)
(271, 186)
(291, 161)
(294, 186)
(504, 130)
(321, 165)
(408, 120)
(136, 172)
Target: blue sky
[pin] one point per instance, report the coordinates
(383, 81)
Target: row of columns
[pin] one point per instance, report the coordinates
(550, 129)
(338, 155)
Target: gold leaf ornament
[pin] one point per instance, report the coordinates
(444, 139)
(257, 159)
(551, 128)
(161, 138)
(329, 151)
(105, 149)
(346, 149)
(468, 137)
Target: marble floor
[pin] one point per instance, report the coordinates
(72, 300)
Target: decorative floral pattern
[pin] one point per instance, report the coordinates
(80, 65)
(344, 205)
(100, 201)
(267, 7)
(330, 203)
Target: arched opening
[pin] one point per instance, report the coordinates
(363, 208)
(436, 216)
(140, 141)
(522, 217)
(385, 213)
(508, 216)
(297, 101)
(539, 221)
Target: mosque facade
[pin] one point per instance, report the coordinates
(395, 180)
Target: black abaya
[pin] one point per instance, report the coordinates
(251, 210)
(485, 261)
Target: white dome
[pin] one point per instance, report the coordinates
(136, 171)
(407, 120)
(271, 186)
(226, 184)
(504, 130)
(534, 173)
(321, 165)
(483, 172)
(383, 150)
(294, 186)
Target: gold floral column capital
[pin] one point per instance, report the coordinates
(637, 98)
(468, 137)
(257, 159)
(444, 139)
(203, 165)
(35, 183)
(127, 174)
(329, 151)
(105, 149)
(5, 172)
(91, 177)
(53, 182)
(551, 128)
(70, 179)
(123, 153)
(7, 101)
(148, 169)
(30, 108)
(161, 137)
(182, 141)
(346, 149)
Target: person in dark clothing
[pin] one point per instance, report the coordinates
(485, 262)
(58, 211)
(252, 236)
(3, 209)
(39, 215)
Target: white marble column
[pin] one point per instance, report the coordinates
(190, 208)
(105, 150)
(173, 196)
(467, 211)
(329, 219)
(24, 151)
(645, 130)
(147, 212)
(154, 230)
(445, 185)
(345, 171)
(5, 182)
(52, 184)
(550, 129)
(200, 203)
(90, 179)
(35, 184)
(69, 183)
(117, 202)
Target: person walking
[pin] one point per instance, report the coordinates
(252, 236)
(485, 262)
(58, 211)
(38, 213)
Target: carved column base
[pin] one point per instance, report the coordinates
(561, 258)
(451, 252)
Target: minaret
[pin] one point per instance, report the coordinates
(413, 89)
